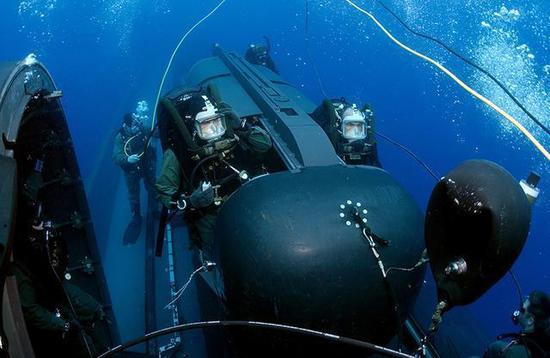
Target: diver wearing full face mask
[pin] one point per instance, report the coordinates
(260, 54)
(208, 152)
(350, 130)
(534, 339)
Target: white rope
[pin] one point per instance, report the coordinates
(174, 55)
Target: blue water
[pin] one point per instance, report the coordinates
(107, 54)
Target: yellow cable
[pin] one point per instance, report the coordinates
(474, 93)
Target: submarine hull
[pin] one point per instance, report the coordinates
(35, 135)
(290, 252)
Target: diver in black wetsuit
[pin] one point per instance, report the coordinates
(210, 135)
(351, 131)
(62, 320)
(258, 54)
(534, 338)
(127, 153)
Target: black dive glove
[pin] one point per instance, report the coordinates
(243, 134)
(243, 131)
(71, 328)
(203, 196)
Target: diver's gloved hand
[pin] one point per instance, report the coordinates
(71, 328)
(203, 196)
(132, 159)
(243, 131)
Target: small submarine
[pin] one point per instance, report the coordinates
(319, 244)
(312, 243)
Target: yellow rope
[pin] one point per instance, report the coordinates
(474, 93)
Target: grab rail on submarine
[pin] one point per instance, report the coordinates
(298, 139)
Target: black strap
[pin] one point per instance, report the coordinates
(162, 230)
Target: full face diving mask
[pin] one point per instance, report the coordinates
(209, 124)
(524, 318)
(354, 126)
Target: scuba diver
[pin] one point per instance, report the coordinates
(128, 153)
(62, 320)
(350, 130)
(534, 339)
(204, 143)
(258, 54)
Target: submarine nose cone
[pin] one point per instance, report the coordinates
(290, 251)
(476, 225)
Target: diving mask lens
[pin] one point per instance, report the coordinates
(354, 126)
(515, 317)
(210, 128)
(353, 130)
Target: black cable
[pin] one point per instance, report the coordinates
(430, 171)
(411, 153)
(469, 62)
(518, 287)
(149, 137)
(396, 309)
(315, 69)
(273, 326)
(389, 289)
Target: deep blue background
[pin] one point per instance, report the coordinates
(105, 55)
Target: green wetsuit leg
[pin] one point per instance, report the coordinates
(132, 183)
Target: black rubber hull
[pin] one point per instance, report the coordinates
(287, 256)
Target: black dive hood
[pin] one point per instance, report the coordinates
(477, 223)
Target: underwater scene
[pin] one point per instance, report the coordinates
(313, 178)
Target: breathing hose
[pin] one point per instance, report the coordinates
(127, 143)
